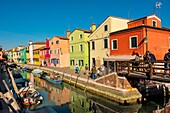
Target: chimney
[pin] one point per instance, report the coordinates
(93, 27)
(30, 42)
(68, 33)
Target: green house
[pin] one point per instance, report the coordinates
(23, 55)
(79, 48)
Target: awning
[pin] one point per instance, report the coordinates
(119, 58)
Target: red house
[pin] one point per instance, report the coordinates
(142, 34)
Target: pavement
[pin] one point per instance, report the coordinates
(65, 70)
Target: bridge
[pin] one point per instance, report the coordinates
(145, 70)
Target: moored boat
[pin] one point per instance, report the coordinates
(37, 72)
(54, 80)
(30, 96)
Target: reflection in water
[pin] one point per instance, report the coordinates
(66, 99)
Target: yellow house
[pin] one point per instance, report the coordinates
(99, 39)
(36, 56)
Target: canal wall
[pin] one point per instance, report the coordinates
(110, 86)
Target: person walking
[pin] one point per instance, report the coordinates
(93, 72)
(76, 69)
(167, 62)
(103, 69)
(86, 69)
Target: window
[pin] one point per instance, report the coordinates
(114, 44)
(72, 62)
(81, 47)
(105, 28)
(105, 43)
(50, 51)
(169, 41)
(71, 49)
(54, 51)
(133, 42)
(51, 43)
(81, 36)
(154, 23)
(71, 38)
(143, 22)
(57, 42)
(81, 63)
(93, 45)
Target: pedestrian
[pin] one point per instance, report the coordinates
(136, 61)
(152, 57)
(86, 69)
(76, 69)
(93, 72)
(167, 62)
(102, 69)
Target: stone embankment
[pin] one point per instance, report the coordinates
(110, 86)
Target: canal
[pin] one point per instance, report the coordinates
(69, 99)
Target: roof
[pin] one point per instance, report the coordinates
(61, 37)
(85, 31)
(40, 48)
(139, 27)
(145, 17)
(107, 19)
(119, 58)
(39, 43)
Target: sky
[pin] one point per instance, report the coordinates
(36, 20)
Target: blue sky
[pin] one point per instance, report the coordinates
(24, 20)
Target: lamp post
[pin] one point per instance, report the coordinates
(146, 39)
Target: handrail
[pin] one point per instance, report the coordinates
(152, 68)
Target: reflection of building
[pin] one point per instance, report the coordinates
(79, 103)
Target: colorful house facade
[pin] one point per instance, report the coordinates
(9, 55)
(59, 51)
(79, 48)
(32, 47)
(47, 53)
(38, 56)
(0, 52)
(23, 55)
(144, 34)
(99, 39)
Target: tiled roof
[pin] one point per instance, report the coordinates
(62, 37)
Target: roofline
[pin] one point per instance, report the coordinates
(149, 16)
(107, 19)
(138, 27)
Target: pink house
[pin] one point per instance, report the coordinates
(47, 54)
(59, 51)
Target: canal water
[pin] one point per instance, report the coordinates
(68, 99)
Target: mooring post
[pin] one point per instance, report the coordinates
(128, 69)
(150, 71)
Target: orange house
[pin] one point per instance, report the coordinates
(59, 51)
(142, 34)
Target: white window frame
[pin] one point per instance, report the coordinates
(71, 49)
(116, 43)
(155, 23)
(130, 42)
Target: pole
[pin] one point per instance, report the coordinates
(146, 39)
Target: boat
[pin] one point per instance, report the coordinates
(27, 69)
(37, 72)
(55, 80)
(30, 96)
